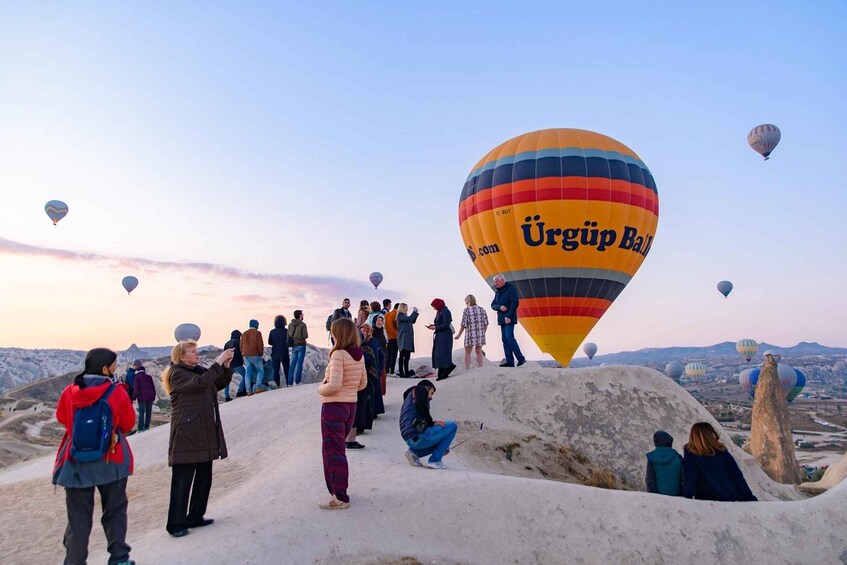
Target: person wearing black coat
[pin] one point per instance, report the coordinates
(442, 340)
(709, 470)
(506, 303)
(237, 365)
(278, 340)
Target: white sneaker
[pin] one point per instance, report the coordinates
(436, 465)
(413, 459)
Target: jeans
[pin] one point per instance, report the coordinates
(298, 354)
(254, 364)
(510, 344)
(80, 505)
(242, 386)
(435, 441)
(145, 411)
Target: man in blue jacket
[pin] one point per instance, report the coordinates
(506, 304)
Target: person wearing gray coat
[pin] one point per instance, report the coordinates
(405, 337)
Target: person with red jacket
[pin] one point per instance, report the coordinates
(108, 474)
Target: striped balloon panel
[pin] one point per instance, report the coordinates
(523, 213)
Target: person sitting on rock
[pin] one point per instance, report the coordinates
(664, 466)
(709, 471)
(423, 435)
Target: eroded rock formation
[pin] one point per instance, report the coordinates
(770, 434)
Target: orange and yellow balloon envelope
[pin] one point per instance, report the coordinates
(567, 216)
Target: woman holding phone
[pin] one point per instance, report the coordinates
(197, 437)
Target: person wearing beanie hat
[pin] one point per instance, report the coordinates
(237, 364)
(129, 378)
(664, 466)
(252, 349)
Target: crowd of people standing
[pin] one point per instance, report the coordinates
(379, 342)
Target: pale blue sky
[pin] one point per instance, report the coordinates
(334, 140)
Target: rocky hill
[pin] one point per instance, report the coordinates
(492, 505)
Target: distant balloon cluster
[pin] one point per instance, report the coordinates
(791, 380)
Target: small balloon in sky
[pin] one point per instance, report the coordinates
(129, 283)
(375, 278)
(186, 332)
(764, 139)
(725, 287)
(590, 349)
(56, 210)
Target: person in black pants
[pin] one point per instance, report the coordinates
(197, 437)
(278, 340)
(107, 473)
(406, 337)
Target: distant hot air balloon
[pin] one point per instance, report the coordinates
(749, 378)
(567, 216)
(375, 278)
(798, 386)
(725, 287)
(56, 210)
(129, 283)
(185, 332)
(674, 370)
(695, 370)
(764, 139)
(747, 348)
(590, 349)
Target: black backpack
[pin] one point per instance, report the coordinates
(92, 432)
(329, 321)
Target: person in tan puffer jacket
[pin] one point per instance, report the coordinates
(344, 377)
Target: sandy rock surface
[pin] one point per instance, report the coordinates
(265, 495)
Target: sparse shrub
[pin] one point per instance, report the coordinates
(510, 449)
(580, 456)
(738, 439)
(601, 479)
(533, 436)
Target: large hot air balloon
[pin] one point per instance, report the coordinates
(129, 283)
(375, 278)
(590, 349)
(674, 370)
(56, 210)
(798, 386)
(764, 139)
(185, 332)
(747, 348)
(749, 378)
(695, 370)
(567, 216)
(725, 287)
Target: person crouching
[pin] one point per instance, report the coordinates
(423, 435)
